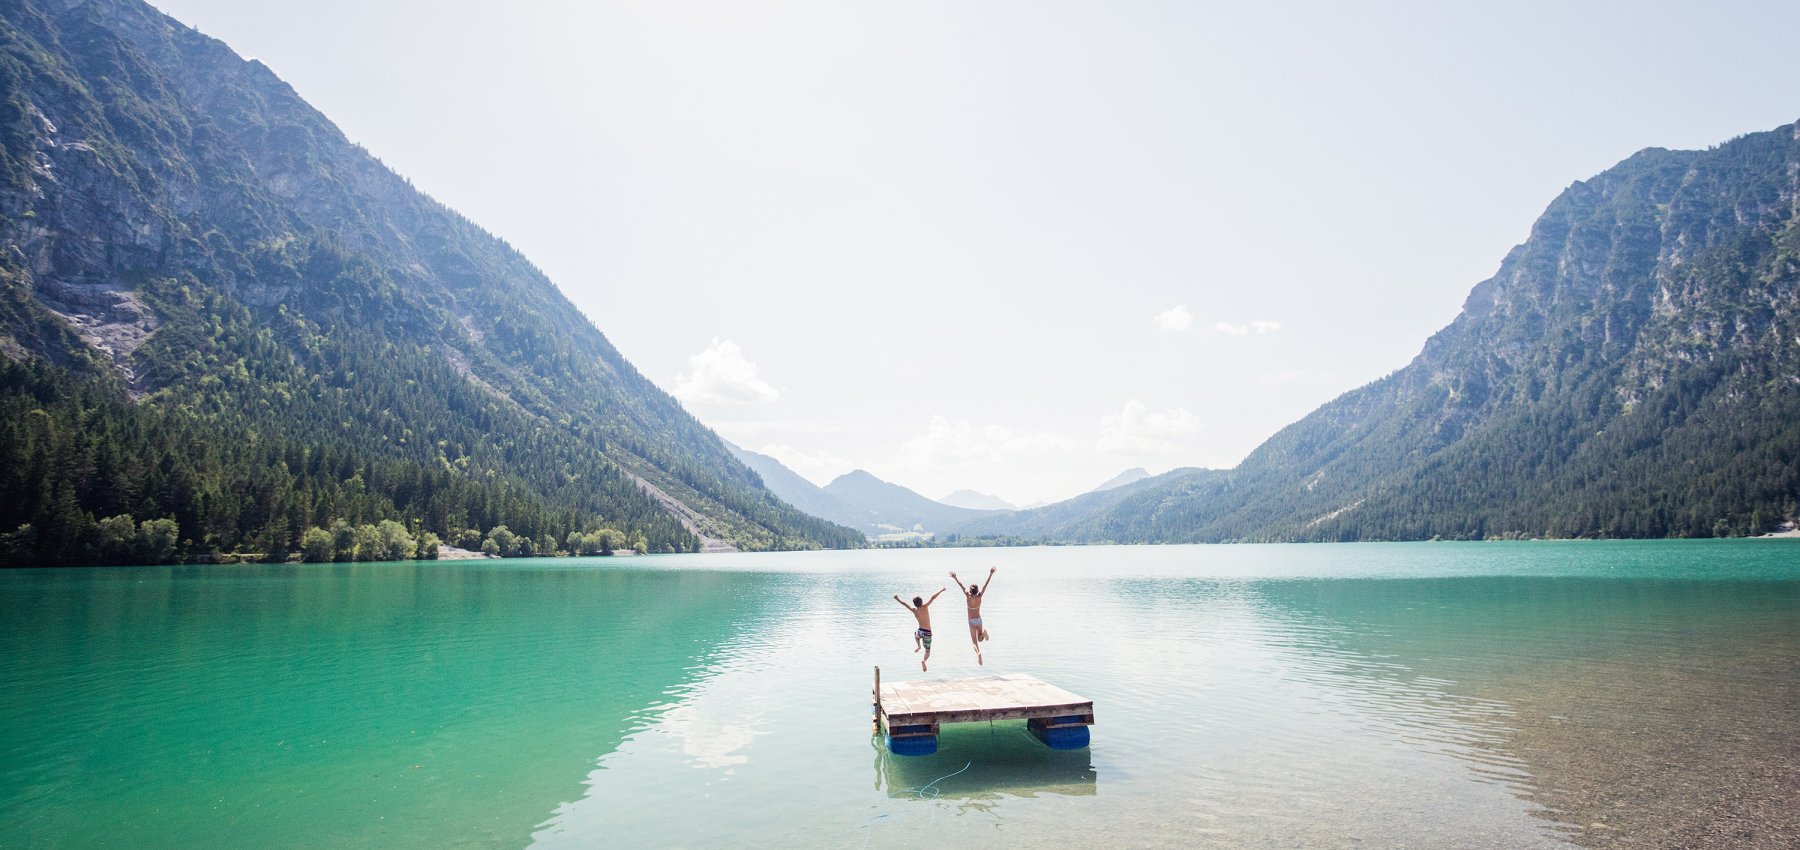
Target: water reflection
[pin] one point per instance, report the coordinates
(1284, 713)
(985, 762)
(431, 705)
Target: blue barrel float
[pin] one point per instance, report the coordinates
(1060, 733)
(912, 740)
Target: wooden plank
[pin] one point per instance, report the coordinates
(990, 714)
(1009, 696)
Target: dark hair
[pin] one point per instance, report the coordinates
(918, 602)
(974, 589)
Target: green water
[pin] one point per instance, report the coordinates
(1489, 695)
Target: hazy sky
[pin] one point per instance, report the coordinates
(1015, 246)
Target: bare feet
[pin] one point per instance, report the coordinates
(980, 660)
(922, 664)
(915, 647)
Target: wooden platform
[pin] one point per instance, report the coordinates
(917, 708)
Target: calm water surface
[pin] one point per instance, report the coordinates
(1472, 695)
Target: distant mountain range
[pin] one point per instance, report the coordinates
(858, 500)
(896, 508)
(1101, 514)
(977, 501)
(884, 509)
(1632, 370)
(220, 317)
(1129, 476)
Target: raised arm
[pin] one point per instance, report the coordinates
(934, 597)
(959, 583)
(990, 582)
(902, 602)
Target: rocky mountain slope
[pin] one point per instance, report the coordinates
(1632, 370)
(189, 252)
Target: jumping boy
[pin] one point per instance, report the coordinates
(921, 611)
(973, 594)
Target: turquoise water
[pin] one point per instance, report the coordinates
(1479, 695)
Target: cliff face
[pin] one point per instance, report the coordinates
(1633, 369)
(176, 219)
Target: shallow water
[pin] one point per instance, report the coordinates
(1473, 695)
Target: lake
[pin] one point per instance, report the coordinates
(1520, 694)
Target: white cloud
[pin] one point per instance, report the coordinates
(710, 739)
(722, 375)
(818, 467)
(946, 444)
(1137, 430)
(1247, 328)
(1174, 320)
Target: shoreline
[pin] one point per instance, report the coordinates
(452, 553)
(446, 552)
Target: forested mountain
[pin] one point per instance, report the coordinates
(219, 315)
(1633, 370)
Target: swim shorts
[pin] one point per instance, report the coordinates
(924, 636)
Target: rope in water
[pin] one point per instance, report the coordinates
(921, 792)
(928, 791)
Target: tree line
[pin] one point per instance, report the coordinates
(89, 477)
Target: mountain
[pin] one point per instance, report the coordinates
(1632, 370)
(223, 324)
(1107, 514)
(790, 487)
(857, 499)
(977, 501)
(894, 508)
(1129, 476)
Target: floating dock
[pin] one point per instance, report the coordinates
(908, 714)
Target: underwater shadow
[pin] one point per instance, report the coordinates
(985, 762)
